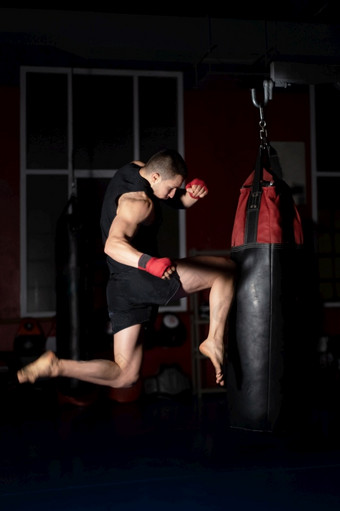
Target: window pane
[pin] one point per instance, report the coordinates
(90, 193)
(103, 138)
(46, 197)
(46, 121)
(327, 112)
(157, 115)
(102, 121)
(329, 237)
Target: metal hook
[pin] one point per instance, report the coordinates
(267, 95)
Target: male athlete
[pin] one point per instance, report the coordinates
(140, 280)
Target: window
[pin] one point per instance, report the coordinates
(78, 126)
(326, 186)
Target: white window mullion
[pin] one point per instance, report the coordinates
(313, 154)
(180, 117)
(136, 145)
(70, 169)
(180, 141)
(23, 226)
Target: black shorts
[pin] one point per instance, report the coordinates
(133, 297)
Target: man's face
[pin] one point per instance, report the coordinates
(166, 188)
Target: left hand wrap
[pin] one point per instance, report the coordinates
(156, 266)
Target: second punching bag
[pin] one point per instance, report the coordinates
(72, 293)
(266, 234)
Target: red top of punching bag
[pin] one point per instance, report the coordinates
(270, 227)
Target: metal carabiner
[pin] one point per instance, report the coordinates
(267, 95)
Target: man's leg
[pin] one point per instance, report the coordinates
(217, 274)
(123, 372)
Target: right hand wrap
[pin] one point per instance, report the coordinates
(154, 265)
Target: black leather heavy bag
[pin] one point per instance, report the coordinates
(72, 290)
(267, 232)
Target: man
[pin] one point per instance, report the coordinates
(139, 280)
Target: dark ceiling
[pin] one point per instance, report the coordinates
(311, 11)
(302, 39)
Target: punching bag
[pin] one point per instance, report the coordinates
(266, 238)
(72, 291)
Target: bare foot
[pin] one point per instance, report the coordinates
(44, 367)
(210, 349)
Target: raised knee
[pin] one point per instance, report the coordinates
(126, 380)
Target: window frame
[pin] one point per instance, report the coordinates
(317, 174)
(75, 174)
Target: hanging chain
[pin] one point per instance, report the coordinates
(267, 87)
(263, 133)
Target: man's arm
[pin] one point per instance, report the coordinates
(134, 209)
(195, 190)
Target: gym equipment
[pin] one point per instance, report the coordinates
(29, 342)
(266, 236)
(168, 331)
(72, 288)
(172, 331)
(71, 285)
(169, 381)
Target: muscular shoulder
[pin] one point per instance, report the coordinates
(135, 205)
(134, 198)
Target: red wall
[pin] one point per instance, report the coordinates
(221, 143)
(9, 216)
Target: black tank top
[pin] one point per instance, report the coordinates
(128, 179)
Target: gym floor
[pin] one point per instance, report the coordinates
(158, 453)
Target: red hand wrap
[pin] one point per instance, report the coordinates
(196, 181)
(154, 265)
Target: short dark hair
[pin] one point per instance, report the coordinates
(168, 163)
